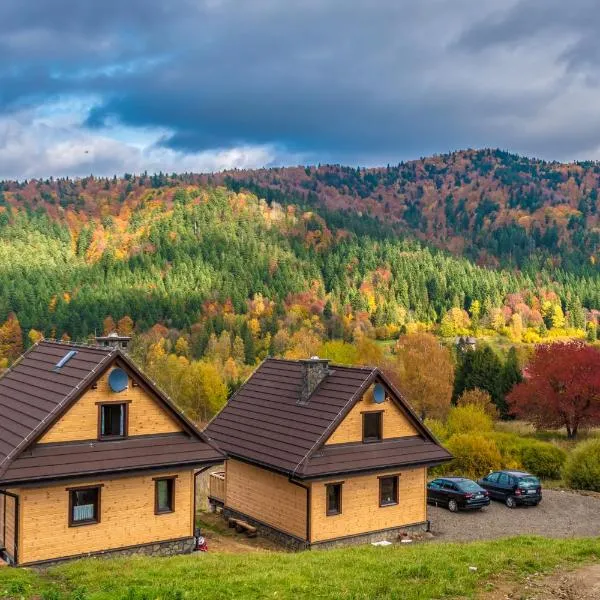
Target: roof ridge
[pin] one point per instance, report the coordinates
(55, 342)
(296, 361)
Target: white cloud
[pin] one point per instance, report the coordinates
(49, 141)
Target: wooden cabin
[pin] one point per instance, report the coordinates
(320, 455)
(94, 459)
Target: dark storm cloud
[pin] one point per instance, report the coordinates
(363, 81)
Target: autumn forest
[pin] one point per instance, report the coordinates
(211, 273)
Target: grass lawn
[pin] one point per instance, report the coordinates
(428, 571)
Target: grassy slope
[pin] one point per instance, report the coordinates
(417, 572)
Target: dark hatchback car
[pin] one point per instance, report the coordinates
(513, 487)
(456, 493)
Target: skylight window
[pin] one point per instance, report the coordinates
(65, 359)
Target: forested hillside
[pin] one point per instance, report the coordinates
(492, 206)
(211, 275)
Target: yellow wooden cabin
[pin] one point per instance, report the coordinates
(94, 459)
(320, 455)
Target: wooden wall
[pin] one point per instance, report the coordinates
(395, 422)
(80, 422)
(126, 517)
(266, 496)
(361, 512)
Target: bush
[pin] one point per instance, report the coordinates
(481, 398)
(467, 419)
(540, 458)
(474, 455)
(437, 428)
(543, 459)
(582, 468)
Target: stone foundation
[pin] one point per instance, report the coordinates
(167, 548)
(390, 535)
(286, 540)
(291, 542)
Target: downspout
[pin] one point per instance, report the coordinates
(308, 507)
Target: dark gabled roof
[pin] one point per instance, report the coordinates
(34, 393)
(265, 423)
(78, 459)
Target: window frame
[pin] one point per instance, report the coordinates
(125, 404)
(396, 479)
(337, 484)
(365, 415)
(157, 480)
(97, 505)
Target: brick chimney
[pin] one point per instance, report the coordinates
(314, 370)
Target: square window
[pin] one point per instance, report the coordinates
(113, 420)
(164, 490)
(372, 426)
(388, 490)
(334, 499)
(84, 506)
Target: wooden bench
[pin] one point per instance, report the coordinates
(242, 527)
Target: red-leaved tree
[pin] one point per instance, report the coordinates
(561, 388)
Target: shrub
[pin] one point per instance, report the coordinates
(469, 418)
(582, 468)
(437, 428)
(481, 398)
(540, 458)
(474, 455)
(543, 459)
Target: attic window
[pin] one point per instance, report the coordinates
(65, 359)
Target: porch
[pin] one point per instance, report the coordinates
(216, 489)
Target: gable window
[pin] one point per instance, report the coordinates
(372, 426)
(388, 490)
(84, 505)
(112, 420)
(333, 493)
(164, 495)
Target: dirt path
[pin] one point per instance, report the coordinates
(222, 539)
(561, 514)
(582, 584)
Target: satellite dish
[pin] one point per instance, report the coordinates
(378, 393)
(118, 380)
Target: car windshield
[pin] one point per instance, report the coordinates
(468, 486)
(529, 482)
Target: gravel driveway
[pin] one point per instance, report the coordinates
(560, 514)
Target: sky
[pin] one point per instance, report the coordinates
(114, 86)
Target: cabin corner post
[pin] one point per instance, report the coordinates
(308, 506)
(16, 525)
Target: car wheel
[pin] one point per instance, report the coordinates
(452, 506)
(510, 502)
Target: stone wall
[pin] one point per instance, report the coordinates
(390, 535)
(168, 548)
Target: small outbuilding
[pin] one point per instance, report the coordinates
(320, 455)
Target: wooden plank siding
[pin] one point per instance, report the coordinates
(395, 422)
(267, 497)
(127, 517)
(361, 512)
(80, 422)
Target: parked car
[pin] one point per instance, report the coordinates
(456, 493)
(513, 487)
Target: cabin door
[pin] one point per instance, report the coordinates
(9, 509)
